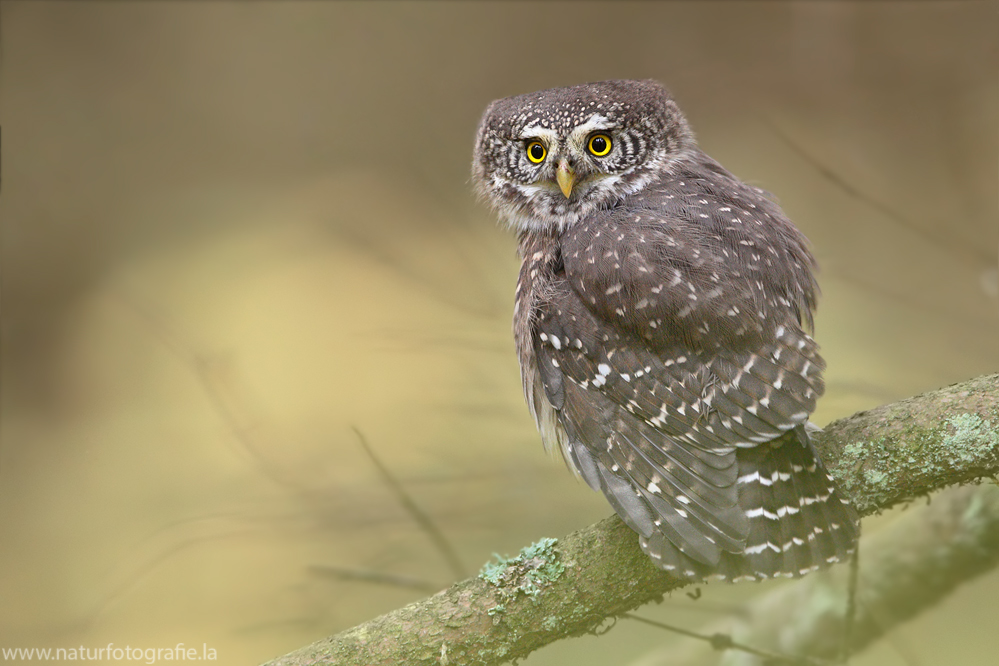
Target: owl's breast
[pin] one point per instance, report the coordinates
(540, 271)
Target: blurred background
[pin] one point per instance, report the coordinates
(237, 237)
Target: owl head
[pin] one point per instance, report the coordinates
(547, 159)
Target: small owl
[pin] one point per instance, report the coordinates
(660, 322)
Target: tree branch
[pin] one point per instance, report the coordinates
(566, 588)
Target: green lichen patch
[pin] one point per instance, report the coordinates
(551, 623)
(876, 473)
(972, 439)
(535, 568)
(862, 470)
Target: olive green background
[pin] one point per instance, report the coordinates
(234, 232)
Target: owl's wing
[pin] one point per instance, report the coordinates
(631, 436)
(709, 285)
(655, 354)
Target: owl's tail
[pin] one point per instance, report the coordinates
(799, 521)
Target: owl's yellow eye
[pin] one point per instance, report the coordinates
(599, 144)
(536, 152)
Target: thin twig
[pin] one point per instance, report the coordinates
(850, 616)
(205, 369)
(381, 578)
(859, 195)
(421, 518)
(722, 642)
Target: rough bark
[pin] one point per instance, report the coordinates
(567, 587)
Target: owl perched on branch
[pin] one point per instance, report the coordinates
(660, 322)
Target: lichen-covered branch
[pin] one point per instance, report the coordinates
(911, 447)
(905, 569)
(570, 586)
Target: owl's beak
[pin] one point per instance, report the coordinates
(566, 177)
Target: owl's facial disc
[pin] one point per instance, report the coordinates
(582, 148)
(548, 159)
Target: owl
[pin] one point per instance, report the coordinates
(660, 322)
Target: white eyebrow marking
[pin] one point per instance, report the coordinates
(550, 136)
(595, 122)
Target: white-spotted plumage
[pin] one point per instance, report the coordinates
(659, 321)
